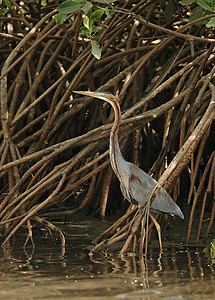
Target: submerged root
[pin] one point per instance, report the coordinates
(128, 234)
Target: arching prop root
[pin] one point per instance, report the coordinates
(210, 190)
(51, 228)
(128, 233)
(46, 134)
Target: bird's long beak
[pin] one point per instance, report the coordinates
(86, 93)
(98, 95)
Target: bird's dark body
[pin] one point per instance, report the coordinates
(136, 185)
(144, 184)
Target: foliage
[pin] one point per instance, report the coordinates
(210, 251)
(3, 11)
(91, 14)
(197, 10)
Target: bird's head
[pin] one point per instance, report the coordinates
(105, 96)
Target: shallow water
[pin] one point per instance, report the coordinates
(177, 273)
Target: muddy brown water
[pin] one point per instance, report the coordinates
(177, 273)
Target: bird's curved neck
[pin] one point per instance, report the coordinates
(115, 153)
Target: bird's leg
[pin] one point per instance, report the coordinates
(158, 228)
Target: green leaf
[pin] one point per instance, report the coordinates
(96, 51)
(205, 4)
(3, 11)
(60, 18)
(213, 249)
(107, 13)
(95, 29)
(7, 2)
(104, 1)
(69, 6)
(210, 251)
(197, 13)
(97, 14)
(87, 6)
(169, 10)
(211, 23)
(86, 22)
(83, 30)
(89, 14)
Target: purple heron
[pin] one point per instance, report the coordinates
(136, 185)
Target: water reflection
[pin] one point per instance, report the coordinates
(177, 273)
